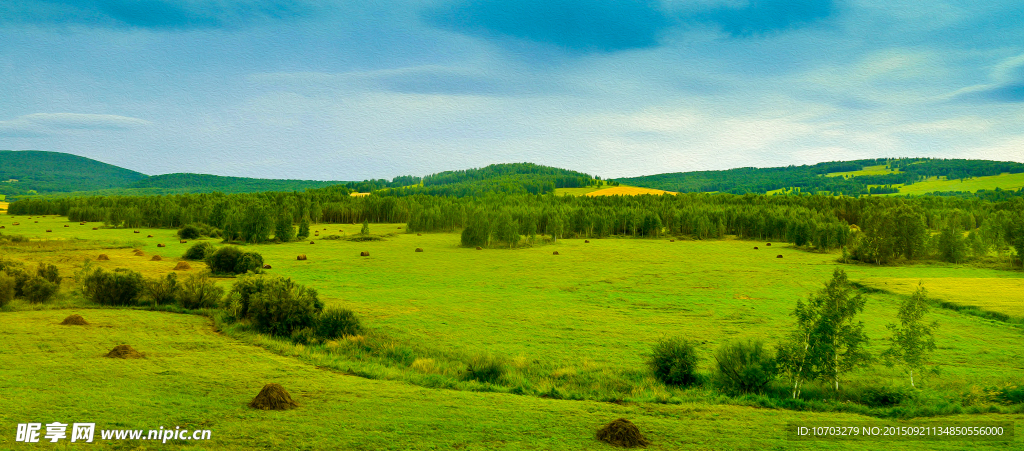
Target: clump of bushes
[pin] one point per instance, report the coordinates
(232, 260)
(196, 230)
(120, 287)
(279, 306)
(6, 288)
(883, 396)
(162, 291)
(744, 367)
(674, 362)
(484, 368)
(38, 290)
(199, 291)
(199, 251)
(20, 283)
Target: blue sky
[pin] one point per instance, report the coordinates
(355, 90)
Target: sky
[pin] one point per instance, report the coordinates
(356, 90)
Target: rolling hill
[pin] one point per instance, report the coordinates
(22, 172)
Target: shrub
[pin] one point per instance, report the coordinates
(243, 291)
(121, 287)
(6, 288)
(883, 396)
(189, 232)
(279, 306)
(20, 278)
(199, 251)
(484, 368)
(198, 291)
(674, 362)
(744, 367)
(335, 322)
(303, 229)
(49, 272)
(304, 336)
(39, 290)
(163, 291)
(231, 260)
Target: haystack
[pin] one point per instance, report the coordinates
(103, 257)
(479, 248)
(778, 256)
(16, 223)
(671, 241)
(149, 236)
(755, 247)
(301, 257)
(48, 230)
(156, 258)
(624, 433)
(65, 225)
(161, 245)
(364, 254)
(95, 228)
(419, 249)
(139, 253)
(74, 320)
(182, 241)
(81, 223)
(586, 241)
(267, 267)
(124, 352)
(182, 266)
(273, 397)
(768, 244)
(554, 253)
(419, 234)
(311, 242)
(136, 231)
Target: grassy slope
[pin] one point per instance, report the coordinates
(867, 170)
(55, 171)
(1004, 181)
(197, 379)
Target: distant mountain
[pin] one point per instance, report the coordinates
(24, 171)
(210, 183)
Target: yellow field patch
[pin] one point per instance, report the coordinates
(359, 194)
(628, 191)
(3, 206)
(1003, 295)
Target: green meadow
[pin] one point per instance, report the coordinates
(577, 326)
(932, 184)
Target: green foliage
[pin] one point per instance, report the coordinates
(827, 342)
(952, 246)
(232, 260)
(304, 336)
(882, 395)
(54, 172)
(674, 362)
(284, 230)
(7, 284)
(484, 368)
(163, 290)
(744, 367)
(120, 287)
(49, 272)
(199, 251)
(912, 340)
(277, 305)
(337, 322)
(199, 291)
(365, 230)
(189, 232)
(303, 229)
(477, 231)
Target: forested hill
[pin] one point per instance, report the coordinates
(22, 172)
(874, 176)
(212, 183)
(509, 178)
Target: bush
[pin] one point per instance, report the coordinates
(198, 291)
(279, 306)
(6, 288)
(484, 368)
(189, 232)
(883, 396)
(39, 290)
(231, 260)
(163, 291)
(674, 362)
(303, 229)
(335, 323)
(304, 336)
(744, 367)
(199, 251)
(121, 287)
(49, 272)
(20, 278)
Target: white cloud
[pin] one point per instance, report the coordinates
(42, 124)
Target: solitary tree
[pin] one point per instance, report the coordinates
(912, 339)
(283, 229)
(303, 228)
(366, 227)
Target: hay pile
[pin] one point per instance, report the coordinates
(139, 253)
(182, 266)
(586, 241)
(419, 249)
(267, 267)
(95, 228)
(273, 397)
(182, 241)
(554, 253)
(161, 245)
(65, 225)
(778, 256)
(301, 257)
(311, 242)
(755, 247)
(364, 254)
(479, 248)
(624, 433)
(103, 257)
(74, 320)
(768, 244)
(124, 352)
(149, 236)
(156, 258)
(48, 230)
(136, 231)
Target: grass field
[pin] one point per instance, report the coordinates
(1003, 181)
(994, 294)
(591, 313)
(627, 191)
(578, 191)
(866, 170)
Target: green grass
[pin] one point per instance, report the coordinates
(580, 323)
(195, 378)
(1003, 181)
(578, 191)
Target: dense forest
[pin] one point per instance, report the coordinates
(27, 172)
(814, 178)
